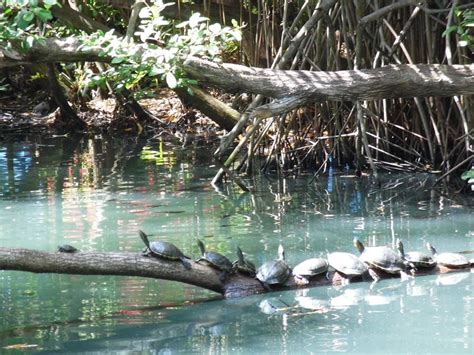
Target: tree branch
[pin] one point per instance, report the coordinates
(392, 81)
(133, 264)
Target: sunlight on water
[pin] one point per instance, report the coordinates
(96, 194)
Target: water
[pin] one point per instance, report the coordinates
(96, 193)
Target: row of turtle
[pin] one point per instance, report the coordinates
(373, 261)
(277, 272)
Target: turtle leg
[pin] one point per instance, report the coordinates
(186, 263)
(404, 276)
(376, 277)
(301, 280)
(145, 252)
(223, 276)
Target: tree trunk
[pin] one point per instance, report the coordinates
(294, 89)
(222, 114)
(133, 264)
(68, 116)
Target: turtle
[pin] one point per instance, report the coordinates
(243, 265)
(449, 260)
(164, 250)
(216, 260)
(417, 259)
(274, 272)
(381, 258)
(66, 248)
(310, 268)
(347, 264)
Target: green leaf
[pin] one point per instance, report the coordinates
(50, 3)
(28, 16)
(450, 29)
(215, 28)
(171, 80)
(155, 71)
(144, 13)
(29, 42)
(43, 14)
(468, 174)
(117, 60)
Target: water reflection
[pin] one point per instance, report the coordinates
(352, 316)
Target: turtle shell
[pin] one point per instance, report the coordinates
(415, 258)
(420, 259)
(450, 260)
(242, 264)
(347, 264)
(66, 248)
(274, 272)
(218, 260)
(311, 267)
(166, 250)
(381, 258)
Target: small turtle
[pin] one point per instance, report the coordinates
(381, 259)
(274, 272)
(216, 260)
(417, 259)
(243, 265)
(164, 250)
(449, 260)
(310, 268)
(347, 264)
(66, 248)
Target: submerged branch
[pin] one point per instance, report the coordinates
(134, 264)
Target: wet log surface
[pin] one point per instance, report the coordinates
(134, 264)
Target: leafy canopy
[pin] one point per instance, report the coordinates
(152, 57)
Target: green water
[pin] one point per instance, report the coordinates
(96, 193)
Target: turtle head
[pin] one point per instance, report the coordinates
(144, 238)
(358, 244)
(240, 255)
(281, 252)
(431, 248)
(401, 249)
(201, 246)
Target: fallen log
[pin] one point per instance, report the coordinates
(296, 88)
(134, 264)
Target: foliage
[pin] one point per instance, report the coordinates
(150, 59)
(464, 28)
(157, 55)
(24, 20)
(3, 85)
(468, 175)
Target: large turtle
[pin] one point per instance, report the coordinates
(381, 258)
(449, 260)
(274, 272)
(347, 264)
(216, 260)
(310, 268)
(243, 265)
(417, 259)
(165, 250)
